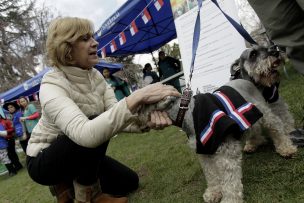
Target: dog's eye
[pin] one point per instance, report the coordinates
(253, 54)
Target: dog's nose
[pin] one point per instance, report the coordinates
(274, 51)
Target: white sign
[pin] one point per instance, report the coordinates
(219, 45)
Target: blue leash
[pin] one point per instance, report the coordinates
(197, 30)
(187, 92)
(237, 26)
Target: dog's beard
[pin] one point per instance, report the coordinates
(266, 71)
(270, 80)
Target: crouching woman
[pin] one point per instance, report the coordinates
(79, 116)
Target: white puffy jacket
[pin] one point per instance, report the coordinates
(68, 96)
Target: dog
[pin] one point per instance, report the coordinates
(253, 75)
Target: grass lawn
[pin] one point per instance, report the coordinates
(169, 170)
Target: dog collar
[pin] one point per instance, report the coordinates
(183, 106)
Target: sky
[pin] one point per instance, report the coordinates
(95, 10)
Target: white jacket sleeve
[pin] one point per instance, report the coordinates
(3, 133)
(67, 116)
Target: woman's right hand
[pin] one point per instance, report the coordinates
(150, 94)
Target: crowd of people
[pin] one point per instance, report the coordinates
(17, 120)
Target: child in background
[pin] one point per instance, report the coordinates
(6, 130)
(19, 132)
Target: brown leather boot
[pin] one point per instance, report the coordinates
(85, 193)
(63, 192)
(92, 194)
(106, 198)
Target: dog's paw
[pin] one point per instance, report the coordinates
(212, 195)
(287, 152)
(249, 148)
(165, 103)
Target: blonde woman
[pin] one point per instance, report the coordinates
(80, 114)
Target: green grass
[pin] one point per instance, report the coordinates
(169, 170)
(2, 168)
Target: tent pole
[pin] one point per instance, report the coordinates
(156, 65)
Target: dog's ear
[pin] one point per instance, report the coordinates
(235, 70)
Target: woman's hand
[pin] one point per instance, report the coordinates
(22, 119)
(159, 120)
(150, 94)
(156, 92)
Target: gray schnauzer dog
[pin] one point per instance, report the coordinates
(255, 77)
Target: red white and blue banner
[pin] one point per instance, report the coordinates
(103, 52)
(122, 38)
(127, 28)
(146, 16)
(113, 46)
(158, 4)
(133, 28)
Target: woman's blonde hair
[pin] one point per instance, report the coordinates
(63, 32)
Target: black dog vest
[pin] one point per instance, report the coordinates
(219, 114)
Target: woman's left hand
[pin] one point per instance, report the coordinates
(159, 120)
(22, 119)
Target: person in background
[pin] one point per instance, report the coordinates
(30, 118)
(6, 132)
(284, 24)
(150, 76)
(14, 116)
(120, 87)
(168, 66)
(80, 114)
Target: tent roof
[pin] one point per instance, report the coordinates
(27, 88)
(159, 30)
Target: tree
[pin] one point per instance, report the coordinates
(22, 34)
(172, 51)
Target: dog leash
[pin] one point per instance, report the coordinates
(237, 26)
(187, 92)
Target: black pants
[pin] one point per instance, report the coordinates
(12, 155)
(65, 161)
(23, 143)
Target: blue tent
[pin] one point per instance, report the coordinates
(27, 88)
(32, 85)
(151, 35)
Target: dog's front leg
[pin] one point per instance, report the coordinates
(280, 108)
(229, 163)
(275, 125)
(213, 192)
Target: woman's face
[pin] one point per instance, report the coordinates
(84, 52)
(106, 73)
(23, 102)
(11, 108)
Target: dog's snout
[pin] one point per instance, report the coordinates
(274, 53)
